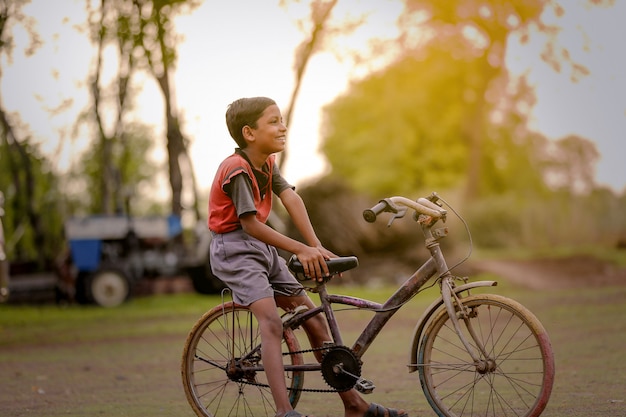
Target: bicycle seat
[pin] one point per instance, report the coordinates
(335, 266)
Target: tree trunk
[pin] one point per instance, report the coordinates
(106, 160)
(176, 147)
(25, 193)
(319, 15)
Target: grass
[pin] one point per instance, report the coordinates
(149, 316)
(78, 360)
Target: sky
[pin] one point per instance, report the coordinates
(219, 61)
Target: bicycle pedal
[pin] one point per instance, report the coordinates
(364, 386)
(291, 314)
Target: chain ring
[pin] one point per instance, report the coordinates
(340, 356)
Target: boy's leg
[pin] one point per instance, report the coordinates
(271, 338)
(240, 261)
(315, 328)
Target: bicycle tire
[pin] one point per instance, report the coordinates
(207, 353)
(518, 383)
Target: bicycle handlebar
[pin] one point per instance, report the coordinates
(370, 214)
(421, 206)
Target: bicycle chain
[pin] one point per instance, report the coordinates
(256, 384)
(307, 350)
(310, 389)
(318, 390)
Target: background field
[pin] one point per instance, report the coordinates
(88, 361)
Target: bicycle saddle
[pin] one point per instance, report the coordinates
(335, 266)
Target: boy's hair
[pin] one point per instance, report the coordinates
(245, 112)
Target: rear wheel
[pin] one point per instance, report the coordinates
(221, 368)
(514, 375)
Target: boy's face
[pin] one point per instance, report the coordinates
(269, 136)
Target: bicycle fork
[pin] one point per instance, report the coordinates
(451, 299)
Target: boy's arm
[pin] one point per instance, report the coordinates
(300, 217)
(312, 258)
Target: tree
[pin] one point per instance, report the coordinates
(573, 159)
(132, 173)
(444, 109)
(320, 28)
(320, 14)
(156, 37)
(17, 157)
(108, 23)
(33, 220)
(399, 130)
(478, 30)
(143, 32)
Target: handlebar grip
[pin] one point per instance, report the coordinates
(370, 214)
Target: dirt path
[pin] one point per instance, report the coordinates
(572, 272)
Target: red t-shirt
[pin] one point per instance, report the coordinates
(223, 216)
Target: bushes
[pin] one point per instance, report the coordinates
(512, 220)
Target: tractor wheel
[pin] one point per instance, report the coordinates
(108, 288)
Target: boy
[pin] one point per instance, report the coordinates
(243, 249)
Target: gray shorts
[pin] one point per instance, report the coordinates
(252, 269)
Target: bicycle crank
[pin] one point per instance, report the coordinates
(341, 370)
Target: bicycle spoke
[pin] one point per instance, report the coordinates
(510, 381)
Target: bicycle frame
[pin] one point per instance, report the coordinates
(436, 264)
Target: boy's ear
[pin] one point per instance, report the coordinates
(247, 133)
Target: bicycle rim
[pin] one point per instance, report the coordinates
(516, 377)
(208, 353)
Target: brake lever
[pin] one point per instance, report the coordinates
(399, 213)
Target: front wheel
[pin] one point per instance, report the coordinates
(221, 368)
(514, 374)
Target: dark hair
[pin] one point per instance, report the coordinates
(245, 112)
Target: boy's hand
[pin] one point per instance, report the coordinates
(313, 260)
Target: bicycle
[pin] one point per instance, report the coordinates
(476, 354)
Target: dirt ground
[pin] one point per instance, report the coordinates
(42, 382)
(552, 274)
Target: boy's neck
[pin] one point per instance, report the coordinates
(257, 159)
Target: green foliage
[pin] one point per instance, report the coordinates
(134, 172)
(558, 219)
(405, 130)
(399, 131)
(46, 202)
(495, 222)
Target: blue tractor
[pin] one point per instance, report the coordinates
(110, 255)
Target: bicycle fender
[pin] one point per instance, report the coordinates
(421, 323)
